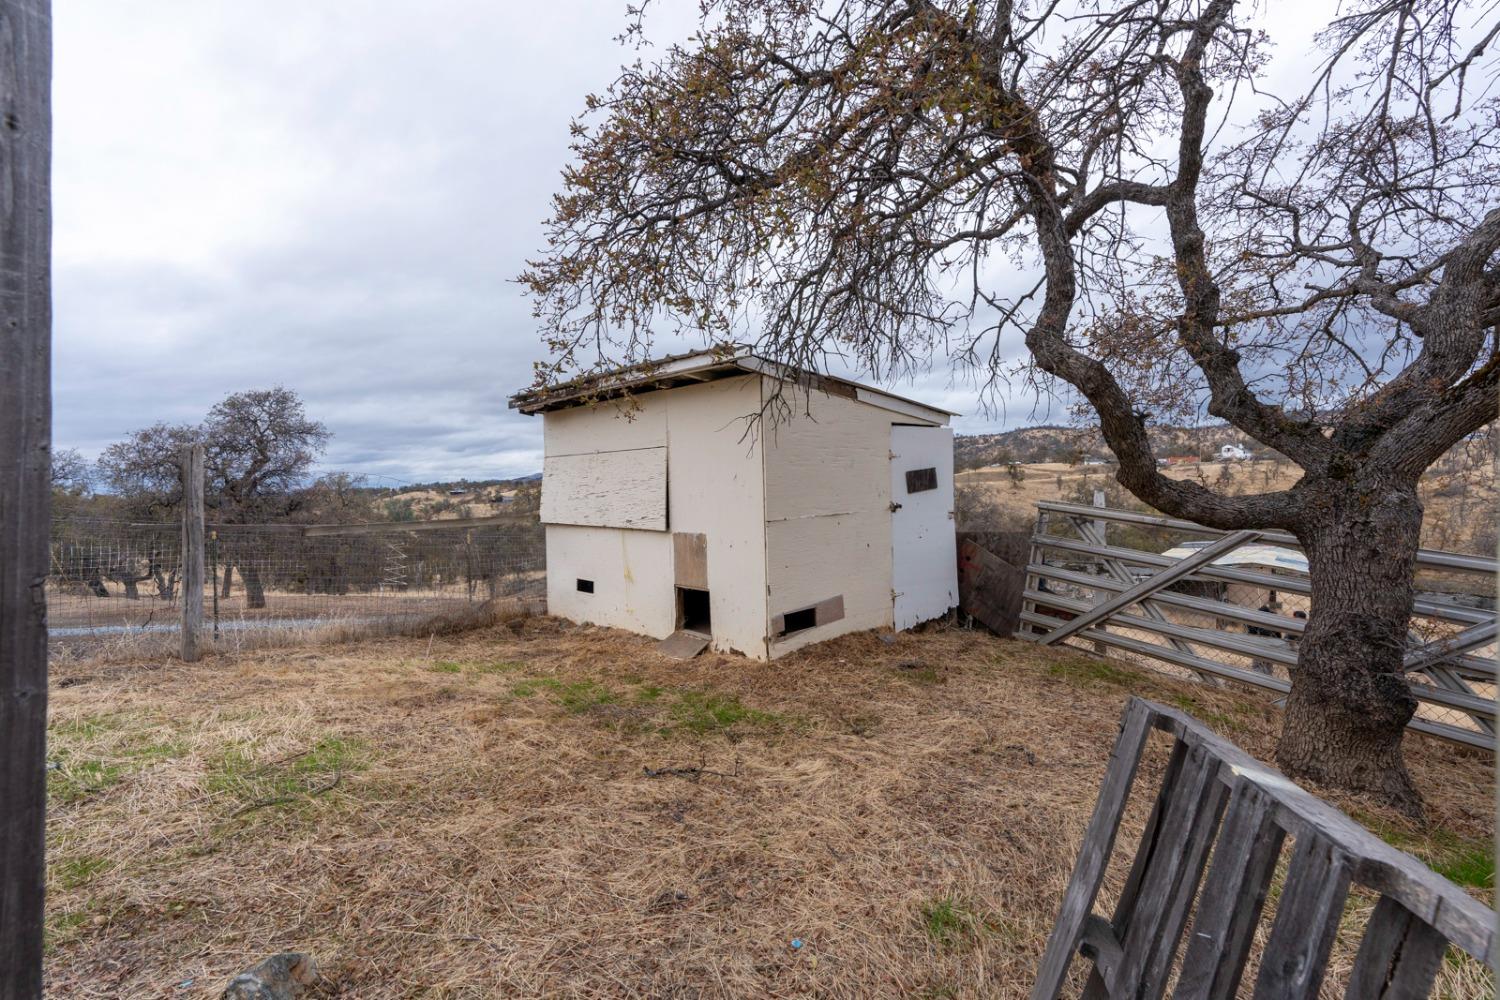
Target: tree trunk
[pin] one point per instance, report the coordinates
(255, 594)
(228, 580)
(1350, 701)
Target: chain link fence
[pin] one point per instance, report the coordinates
(115, 586)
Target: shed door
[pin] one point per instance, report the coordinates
(924, 563)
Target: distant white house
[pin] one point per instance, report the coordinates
(1233, 453)
(668, 510)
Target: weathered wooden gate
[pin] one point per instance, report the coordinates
(1218, 808)
(1233, 606)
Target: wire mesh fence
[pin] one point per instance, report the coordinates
(114, 587)
(1240, 615)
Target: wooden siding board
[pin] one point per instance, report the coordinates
(716, 491)
(690, 559)
(610, 426)
(632, 574)
(617, 489)
(831, 459)
(811, 559)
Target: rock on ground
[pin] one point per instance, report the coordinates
(280, 977)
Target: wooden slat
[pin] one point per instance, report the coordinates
(1189, 821)
(690, 559)
(1459, 917)
(1132, 954)
(1151, 844)
(1307, 921)
(1398, 958)
(1093, 854)
(1233, 897)
(1101, 945)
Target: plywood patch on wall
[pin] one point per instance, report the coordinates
(613, 489)
(690, 557)
(825, 611)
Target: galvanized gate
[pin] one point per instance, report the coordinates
(1181, 597)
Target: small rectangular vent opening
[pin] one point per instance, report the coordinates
(585, 586)
(797, 621)
(919, 480)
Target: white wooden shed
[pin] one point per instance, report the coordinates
(668, 509)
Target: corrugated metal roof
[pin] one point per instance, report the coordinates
(674, 371)
(1270, 556)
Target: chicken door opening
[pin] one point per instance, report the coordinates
(692, 611)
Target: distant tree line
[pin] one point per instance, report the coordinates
(260, 448)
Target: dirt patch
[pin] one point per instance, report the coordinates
(548, 809)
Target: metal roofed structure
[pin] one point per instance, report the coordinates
(674, 371)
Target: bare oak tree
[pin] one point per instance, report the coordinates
(259, 446)
(1115, 184)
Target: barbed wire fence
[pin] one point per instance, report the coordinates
(115, 587)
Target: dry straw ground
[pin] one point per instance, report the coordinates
(514, 812)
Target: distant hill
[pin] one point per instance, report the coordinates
(1054, 443)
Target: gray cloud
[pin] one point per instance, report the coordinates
(333, 197)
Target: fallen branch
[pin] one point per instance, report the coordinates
(693, 774)
(280, 800)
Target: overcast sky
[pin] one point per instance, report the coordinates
(335, 197)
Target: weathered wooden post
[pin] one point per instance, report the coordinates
(192, 549)
(25, 481)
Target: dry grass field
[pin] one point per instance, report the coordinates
(1460, 505)
(543, 809)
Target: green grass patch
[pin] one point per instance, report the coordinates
(706, 712)
(237, 775)
(498, 667)
(92, 754)
(948, 923)
(533, 685)
(1469, 863)
(580, 696)
(61, 928)
(446, 667)
(76, 781)
(1082, 670)
(648, 693)
(76, 870)
(1206, 715)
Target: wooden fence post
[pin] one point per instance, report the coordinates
(192, 549)
(25, 482)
